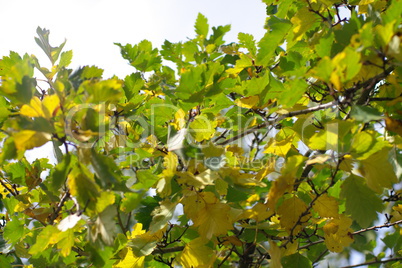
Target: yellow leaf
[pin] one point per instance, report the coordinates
(279, 148)
(170, 161)
(276, 255)
(232, 240)
(50, 105)
(179, 120)
(302, 21)
(104, 200)
(290, 213)
(326, 206)
(29, 139)
(45, 108)
(196, 254)
(338, 234)
(200, 181)
(396, 213)
(320, 159)
(248, 102)
(130, 260)
(193, 203)
(378, 171)
(33, 109)
(259, 212)
(285, 182)
(213, 220)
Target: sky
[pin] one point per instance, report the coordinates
(91, 27)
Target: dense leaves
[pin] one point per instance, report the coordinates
(273, 152)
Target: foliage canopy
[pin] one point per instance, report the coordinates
(272, 152)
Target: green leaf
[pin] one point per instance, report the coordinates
(201, 26)
(104, 227)
(14, 230)
(365, 143)
(272, 39)
(132, 85)
(43, 41)
(149, 204)
(365, 113)
(65, 58)
(247, 41)
(5, 261)
(89, 72)
(361, 202)
(147, 178)
(296, 261)
(217, 35)
(141, 56)
(271, 9)
(107, 172)
(60, 172)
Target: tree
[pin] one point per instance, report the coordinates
(249, 154)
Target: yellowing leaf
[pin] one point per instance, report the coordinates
(202, 128)
(83, 187)
(279, 187)
(326, 206)
(66, 242)
(393, 125)
(378, 171)
(213, 151)
(338, 233)
(143, 243)
(29, 139)
(302, 22)
(196, 254)
(285, 182)
(291, 214)
(247, 102)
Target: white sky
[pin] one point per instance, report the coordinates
(92, 26)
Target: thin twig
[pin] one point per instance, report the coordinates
(55, 214)
(374, 262)
(373, 228)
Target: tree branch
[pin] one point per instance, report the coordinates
(6, 187)
(373, 228)
(55, 214)
(374, 262)
(278, 119)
